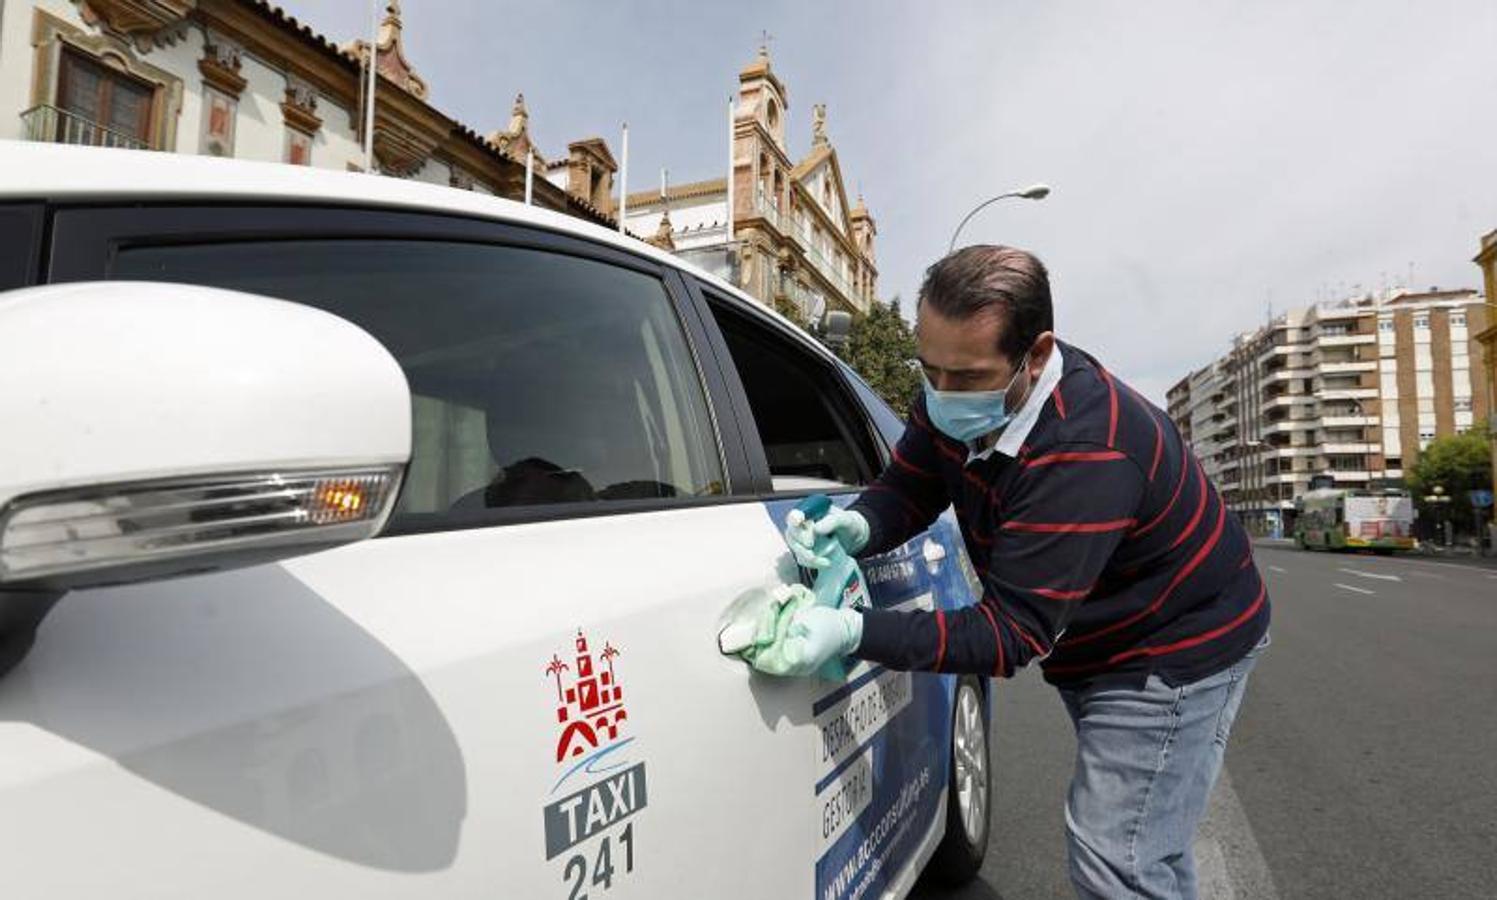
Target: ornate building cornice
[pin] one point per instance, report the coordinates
(220, 65)
(300, 106)
(146, 23)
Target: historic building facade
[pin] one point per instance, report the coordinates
(796, 239)
(241, 78)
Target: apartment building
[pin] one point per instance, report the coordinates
(1353, 389)
(1487, 260)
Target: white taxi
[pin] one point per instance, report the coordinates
(365, 538)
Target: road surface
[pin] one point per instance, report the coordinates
(1363, 763)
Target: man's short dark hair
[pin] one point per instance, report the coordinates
(1009, 282)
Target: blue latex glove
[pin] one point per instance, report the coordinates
(807, 538)
(807, 637)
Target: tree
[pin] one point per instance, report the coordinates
(1459, 463)
(881, 348)
(788, 308)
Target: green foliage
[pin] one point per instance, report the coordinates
(1458, 463)
(880, 349)
(787, 308)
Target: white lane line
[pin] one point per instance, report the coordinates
(1278, 569)
(1423, 574)
(1347, 587)
(1229, 863)
(1370, 575)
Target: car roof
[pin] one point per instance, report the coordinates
(63, 173)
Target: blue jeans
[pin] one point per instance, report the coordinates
(1146, 759)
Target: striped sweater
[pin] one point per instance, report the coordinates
(1103, 549)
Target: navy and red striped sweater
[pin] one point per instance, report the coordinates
(1102, 547)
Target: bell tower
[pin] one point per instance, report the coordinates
(762, 97)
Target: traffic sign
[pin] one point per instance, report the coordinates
(1481, 499)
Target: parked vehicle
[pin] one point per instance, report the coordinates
(361, 537)
(1331, 518)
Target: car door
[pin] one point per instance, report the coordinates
(883, 737)
(516, 691)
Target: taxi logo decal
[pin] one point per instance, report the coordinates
(590, 830)
(591, 707)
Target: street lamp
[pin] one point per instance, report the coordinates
(1033, 192)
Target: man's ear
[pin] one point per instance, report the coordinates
(1044, 345)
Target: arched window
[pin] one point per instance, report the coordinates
(772, 116)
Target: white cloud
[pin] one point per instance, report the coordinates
(1207, 157)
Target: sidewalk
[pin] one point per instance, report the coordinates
(1461, 556)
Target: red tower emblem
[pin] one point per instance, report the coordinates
(591, 707)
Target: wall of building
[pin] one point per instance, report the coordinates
(1354, 389)
(696, 222)
(260, 130)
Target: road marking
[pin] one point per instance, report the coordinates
(1278, 569)
(1348, 587)
(1423, 574)
(1229, 863)
(1370, 575)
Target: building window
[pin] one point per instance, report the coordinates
(1457, 320)
(101, 106)
(1421, 322)
(1462, 404)
(298, 147)
(219, 112)
(1385, 325)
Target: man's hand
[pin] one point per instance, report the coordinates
(807, 538)
(784, 631)
(814, 636)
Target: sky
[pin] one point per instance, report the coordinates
(1211, 160)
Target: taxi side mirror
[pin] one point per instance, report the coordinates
(155, 430)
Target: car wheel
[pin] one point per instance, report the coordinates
(969, 790)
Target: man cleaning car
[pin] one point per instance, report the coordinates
(1104, 552)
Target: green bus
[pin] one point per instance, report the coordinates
(1332, 518)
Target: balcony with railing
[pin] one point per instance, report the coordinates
(50, 124)
(1347, 420)
(827, 270)
(789, 226)
(1344, 338)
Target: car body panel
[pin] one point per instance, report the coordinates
(393, 718)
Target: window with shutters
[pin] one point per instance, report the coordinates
(99, 105)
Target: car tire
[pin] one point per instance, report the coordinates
(969, 790)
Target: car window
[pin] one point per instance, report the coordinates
(889, 425)
(814, 436)
(537, 378)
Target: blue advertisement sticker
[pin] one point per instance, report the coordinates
(883, 737)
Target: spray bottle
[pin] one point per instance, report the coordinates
(838, 584)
